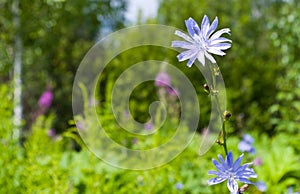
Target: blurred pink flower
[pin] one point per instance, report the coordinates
(148, 126)
(204, 131)
(79, 125)
(51, 133)
(134, 140)
(172, 91)
(162, 79)
(46, 100)
(126, 114)
(257, 161)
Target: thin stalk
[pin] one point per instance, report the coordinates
(214, 92)
(224, 138)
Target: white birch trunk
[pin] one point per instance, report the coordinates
(17, 72)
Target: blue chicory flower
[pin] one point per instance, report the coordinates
(290, 191)
(246, 147)
(179, 186)
(246, 144)
(232, 171)
(248, 138)
(201, 42)
(261, 186)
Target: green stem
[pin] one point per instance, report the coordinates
(214, 92)
(224, 138)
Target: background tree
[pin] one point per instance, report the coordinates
(285, 35)
(56, 35)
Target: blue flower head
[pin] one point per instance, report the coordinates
(290, 191)
(201, 42)
(248, 138)
(261, 186)
(231, 170)
(179, 186)
(246, 144)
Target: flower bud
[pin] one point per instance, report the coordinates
(226, 115)
(206, 88)
(243, 188)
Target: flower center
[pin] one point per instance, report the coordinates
(231, 175)
(201, 44)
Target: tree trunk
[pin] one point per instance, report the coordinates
(17, 71)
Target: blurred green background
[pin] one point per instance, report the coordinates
(261, 72)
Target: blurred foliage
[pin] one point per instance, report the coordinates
(48, 164)
(286, 36)
(261, 72)
(56, 35)
(283, 174)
